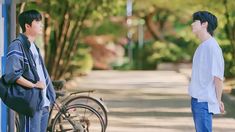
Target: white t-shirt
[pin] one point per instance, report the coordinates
(40, 72)
(208, 62)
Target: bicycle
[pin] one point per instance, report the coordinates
(72, 114)
(82, 97)
(77, 118)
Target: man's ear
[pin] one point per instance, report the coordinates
(27, 26)
(205, 24)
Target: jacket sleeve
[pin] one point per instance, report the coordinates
(14, 62)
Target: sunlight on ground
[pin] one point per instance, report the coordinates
(152, 101)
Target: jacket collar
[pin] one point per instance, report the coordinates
(25, 40)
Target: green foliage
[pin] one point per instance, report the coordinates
(178, 45)
(127, 65)
(166, 52)
(182, 44)
(82, 62)
(106, 27)
(154, 53)
(109, 8)
(65, 21)
(228, 58)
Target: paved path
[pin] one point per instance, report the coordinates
(146, 101)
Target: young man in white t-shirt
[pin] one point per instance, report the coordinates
(207, 73)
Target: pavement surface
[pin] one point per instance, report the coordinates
(149, 101)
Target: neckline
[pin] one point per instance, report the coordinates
(206, 40)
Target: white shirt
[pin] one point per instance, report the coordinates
(208, 63)
(40, 72)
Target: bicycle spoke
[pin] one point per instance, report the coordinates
(75, 119)
(90, 101)
(86, 113)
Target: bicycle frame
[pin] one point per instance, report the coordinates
(62, 105)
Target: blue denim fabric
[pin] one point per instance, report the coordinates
(202, 118)
(37, 123)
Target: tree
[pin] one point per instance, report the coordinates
(63, 22)
(230, 23)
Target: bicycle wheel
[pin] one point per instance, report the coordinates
(78, 118)
(93, 102)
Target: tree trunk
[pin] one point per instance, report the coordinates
(153, 29)
(72, 49)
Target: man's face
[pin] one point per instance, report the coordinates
(196, 26)
(35, 28)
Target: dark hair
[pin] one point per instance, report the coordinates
(27, 17)
(205, 16)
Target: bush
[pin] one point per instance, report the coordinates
(154, 53)
(228, 59)
(82, 62)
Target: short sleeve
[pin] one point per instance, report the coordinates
(217, 63)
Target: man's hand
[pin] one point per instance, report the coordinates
(219, 89)
(221, 107)
(40, 85)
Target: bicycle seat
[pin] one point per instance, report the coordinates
(59, 94)
(58, 84)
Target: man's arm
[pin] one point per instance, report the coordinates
(24, 82)
(219, 89)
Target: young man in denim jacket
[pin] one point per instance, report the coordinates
(19, 71)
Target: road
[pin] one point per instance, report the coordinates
(146, 101)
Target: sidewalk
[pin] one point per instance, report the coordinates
(149, 101)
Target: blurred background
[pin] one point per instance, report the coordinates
(136, 54)
(81, 35)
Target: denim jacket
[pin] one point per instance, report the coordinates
(17, 65)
